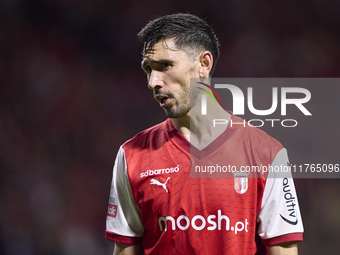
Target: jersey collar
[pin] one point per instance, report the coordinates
(191, 149)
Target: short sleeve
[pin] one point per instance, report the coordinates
(279, 218)
(123, 223)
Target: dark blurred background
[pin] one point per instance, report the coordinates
(72, 91)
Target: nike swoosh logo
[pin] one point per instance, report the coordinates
(288, 221)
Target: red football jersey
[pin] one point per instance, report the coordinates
(176, 199)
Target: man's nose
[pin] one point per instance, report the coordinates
(155, 80)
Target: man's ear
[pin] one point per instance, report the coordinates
(206, 62)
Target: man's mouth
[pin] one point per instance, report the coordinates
(162, 99)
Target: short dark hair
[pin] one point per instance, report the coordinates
(190, 33)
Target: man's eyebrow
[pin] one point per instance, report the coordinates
(152, 61)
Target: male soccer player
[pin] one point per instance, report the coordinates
(155, 207)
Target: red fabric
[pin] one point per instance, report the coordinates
(123, 239)
(181, 210)
(283, 239)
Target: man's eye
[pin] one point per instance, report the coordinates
(165, 65)
(147, 69)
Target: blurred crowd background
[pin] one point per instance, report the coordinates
(72, 91)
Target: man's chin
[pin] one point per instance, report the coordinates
(175, 114)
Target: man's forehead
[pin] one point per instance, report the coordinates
(163, 44)
(164, 47)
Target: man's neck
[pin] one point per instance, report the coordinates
(199, 129)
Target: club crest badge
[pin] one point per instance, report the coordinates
(241, 182)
